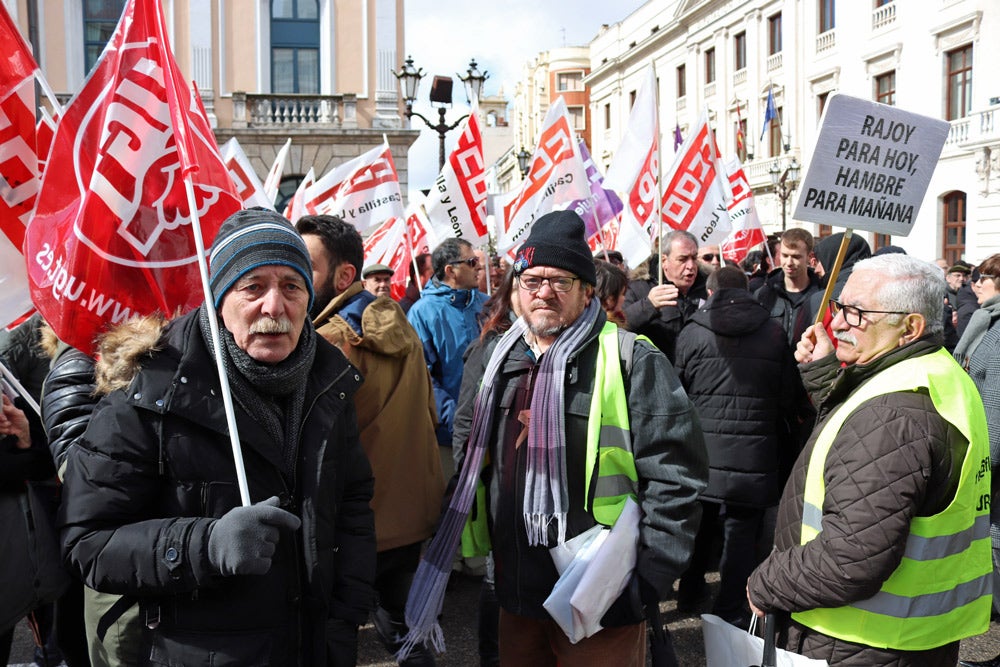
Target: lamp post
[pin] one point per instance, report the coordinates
(784, 184)
(523, 161)
(409, 81)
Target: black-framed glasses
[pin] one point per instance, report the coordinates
(472, 262)
(709, 257)
(557, 283)
(977, 277)
(853, 314)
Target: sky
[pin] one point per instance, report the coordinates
(443, 35)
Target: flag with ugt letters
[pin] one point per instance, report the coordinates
(245, 179)
(695, 196)
(747, 231)
(456, 204)
(555, 179)
(112, 233)
(19, 171)
(363, 191)
(635, 171)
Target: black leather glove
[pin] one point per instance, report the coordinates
(244, 540)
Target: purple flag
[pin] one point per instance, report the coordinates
(603, 205)
(678, 139)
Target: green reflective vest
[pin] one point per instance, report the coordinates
(609, 450)
(940, 592)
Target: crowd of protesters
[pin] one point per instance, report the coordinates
(820, 447)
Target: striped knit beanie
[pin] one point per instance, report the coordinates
(252, 238)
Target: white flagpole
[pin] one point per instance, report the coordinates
(659, 180)
(9, 377)
(49, 93)
(213, 321)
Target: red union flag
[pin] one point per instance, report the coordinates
(420, 240)
(112, 234)
(456, 205)
(387, 245)
(694, 198)
(747, 230)
(245, 179)
(556, 178)
(363, 191)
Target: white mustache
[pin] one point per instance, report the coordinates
(845, 337)
(270, 325)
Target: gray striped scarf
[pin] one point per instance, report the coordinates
(545, 496)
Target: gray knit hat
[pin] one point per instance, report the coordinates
(252, 238)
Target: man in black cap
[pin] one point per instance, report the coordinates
(571, 427)
(151, 507)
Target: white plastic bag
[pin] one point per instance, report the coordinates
(558, 603)
(728, 646)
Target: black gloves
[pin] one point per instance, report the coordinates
(243, 541)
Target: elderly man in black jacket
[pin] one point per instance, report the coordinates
(742, 378)
(152, 509)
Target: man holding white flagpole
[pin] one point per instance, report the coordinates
(151, 506)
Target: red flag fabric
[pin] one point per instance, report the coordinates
(245, 179)
(747, 230)
(112, 233)
(456, 205)
(387, 245)
(18, 64)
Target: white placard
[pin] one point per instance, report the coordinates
(871, 166)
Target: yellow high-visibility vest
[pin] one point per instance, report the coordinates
(940, 592)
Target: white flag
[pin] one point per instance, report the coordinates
(557, 177)
(363, 191)
(248, 184)
(295, 208)
(747, 231)
(273, 179)
(456, 205)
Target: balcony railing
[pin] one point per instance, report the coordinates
(740, 76)
(774, 61)
(289, 110)
(826, 40)
(710, 89)
(979, 126)
(883, 16)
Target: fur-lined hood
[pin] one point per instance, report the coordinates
(121, 350)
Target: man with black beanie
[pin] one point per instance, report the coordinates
(152, 509)
(573, 418)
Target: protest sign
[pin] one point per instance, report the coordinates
(871, 166)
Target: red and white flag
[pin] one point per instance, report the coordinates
(456, 204)
(273, 180)
(364, 191)
(245, 179)
(696, 194)
(556, 178)
(45, 132)
(19, 171)
(747, 231)
(296, 206)
(387, 245)
(419, 237)
(635, 172)
(112, 231)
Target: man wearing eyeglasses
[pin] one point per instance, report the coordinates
(709, 258)
(882, 548)
(569, 425)
(446, 319)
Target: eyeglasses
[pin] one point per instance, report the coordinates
(853, 314)
(557, 283)
(978, 277)
(709, 257)
(471, 261)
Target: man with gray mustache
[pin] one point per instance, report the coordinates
(152, 510)
(882, 548)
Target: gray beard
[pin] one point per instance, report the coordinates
(545, 331)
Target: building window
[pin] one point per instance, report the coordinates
(821, 101)
(295, 46)
(607, 116)
(568, 81)
(824, 231)
(631, 100)
(881, 241)
(710, 65)
(826, 16)
(741, 139)
(954, 227)
(959, 82)
(774, 34)
(579, 117)
(682, 88)
(885, 88)
(100, 17)
(740, 50)
(774, 134)
(882, 3)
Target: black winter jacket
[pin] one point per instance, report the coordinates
(742, 379)
(155, 469)
(68, 399)
(661, 325)
(784, 306)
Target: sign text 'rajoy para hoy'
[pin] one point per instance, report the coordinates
(871, 166)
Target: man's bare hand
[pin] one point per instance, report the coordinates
(813, 345)
(663, 295)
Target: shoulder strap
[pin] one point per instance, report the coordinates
(626, 343)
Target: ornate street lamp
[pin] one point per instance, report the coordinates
(523, 161)
(784, 183)
(409, 82)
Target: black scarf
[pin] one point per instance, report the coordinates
(273, 394)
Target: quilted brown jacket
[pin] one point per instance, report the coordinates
(894, 458)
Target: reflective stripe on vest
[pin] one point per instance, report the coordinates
(940, 591)
(609, 440)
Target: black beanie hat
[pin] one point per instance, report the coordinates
(558, 239)
(252, 238)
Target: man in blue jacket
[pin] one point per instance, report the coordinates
(446, 318)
